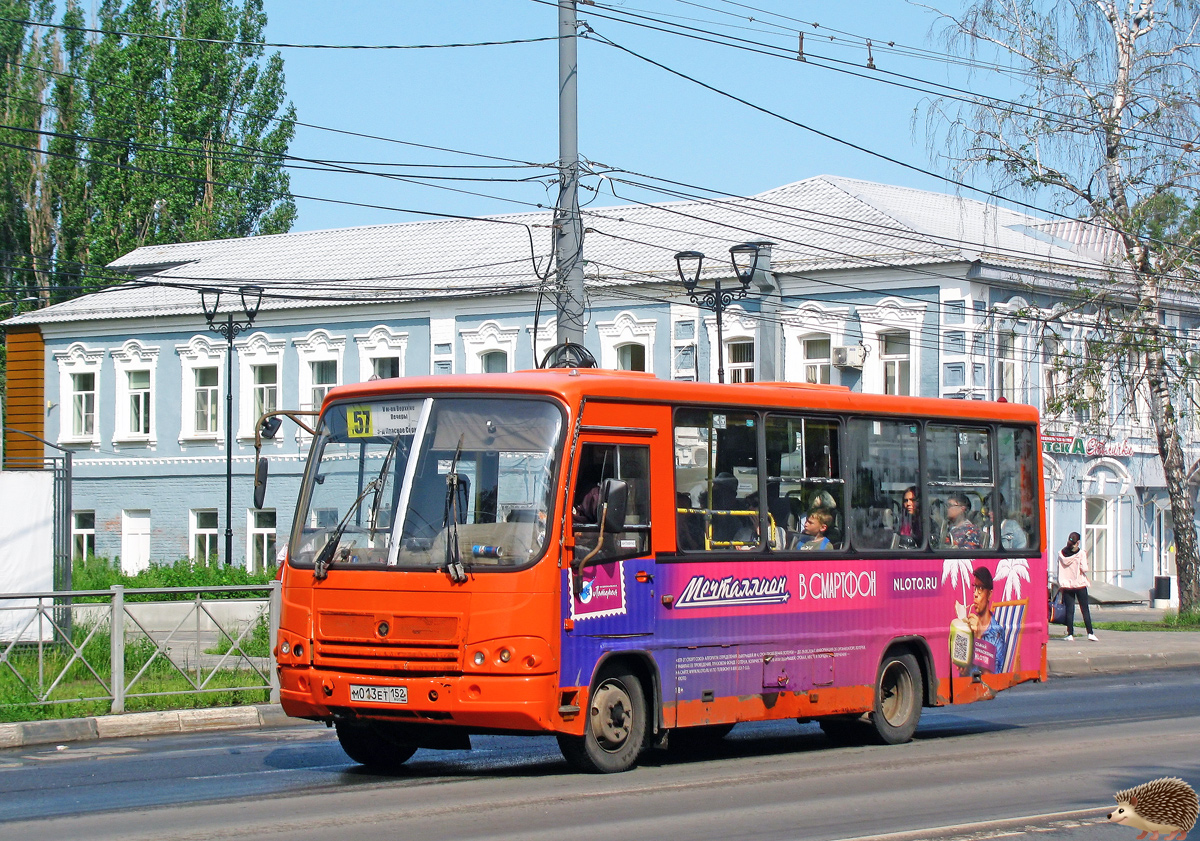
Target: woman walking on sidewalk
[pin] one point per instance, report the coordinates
(1072, 581)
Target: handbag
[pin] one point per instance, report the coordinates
(1057, 612)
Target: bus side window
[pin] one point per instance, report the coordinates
(959, 464)
(716, 480)
(1017, 502)
(630, 464)
(804, 480)
(885, 454)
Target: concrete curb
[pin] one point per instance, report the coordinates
(63, 730)
(1100, 664)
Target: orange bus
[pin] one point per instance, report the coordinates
(614, 558)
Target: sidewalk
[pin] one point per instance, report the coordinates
(1120, 651)
(1116, 652)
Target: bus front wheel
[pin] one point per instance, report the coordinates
(898, 693)
(371, 746)
(615, 731)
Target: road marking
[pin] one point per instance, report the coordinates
(1007, 828)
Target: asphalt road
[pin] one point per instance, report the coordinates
(1042, 760)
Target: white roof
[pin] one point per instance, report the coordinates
(820, 223)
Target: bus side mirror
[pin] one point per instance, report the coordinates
(260, 482)
(614, 502)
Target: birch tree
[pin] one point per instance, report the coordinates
(1105, 127)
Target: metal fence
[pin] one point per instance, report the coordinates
(116, 646)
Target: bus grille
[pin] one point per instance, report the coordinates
(402, 658)
(414, 645)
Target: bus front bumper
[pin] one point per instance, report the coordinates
(493, 702)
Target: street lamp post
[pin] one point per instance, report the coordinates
(210, 300)
(745, 260)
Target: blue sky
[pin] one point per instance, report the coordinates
(502, 100)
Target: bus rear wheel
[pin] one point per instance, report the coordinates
(615, 731)
(898, 693)
(372, 746)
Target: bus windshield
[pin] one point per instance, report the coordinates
(452, 483)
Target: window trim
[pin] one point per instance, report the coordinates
(257, 349)
(78, 359)
(626, 329)
(380, 341)
(200, 352)
(134, 356)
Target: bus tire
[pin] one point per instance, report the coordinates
(898, 693)
(371, 746)
(615, 731)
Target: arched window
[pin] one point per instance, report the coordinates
(631, 357)
(494, 362)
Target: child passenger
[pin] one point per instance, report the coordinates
(815, 526)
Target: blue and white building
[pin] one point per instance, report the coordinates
(873, 287)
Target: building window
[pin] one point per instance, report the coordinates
(83, 405)
(741, 362)
(1052, 348)
(134, 365)
(1006, 366)
(139, 402)
(324, 377)
(204, 536)
(381, 353)
(385, 367)
(83, 535)
(494, 362)
(631, 357)
(266, 389)
(206, 400)
(262, 540)
(894, 353)
(817, 368)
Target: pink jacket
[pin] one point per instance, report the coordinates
(1072, 570)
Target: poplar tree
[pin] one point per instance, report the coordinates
(187, 145)
(1106, 127)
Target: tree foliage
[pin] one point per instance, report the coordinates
(1106, 128)
(117, 139)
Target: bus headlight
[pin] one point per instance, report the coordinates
(479, 658)
(505, 655)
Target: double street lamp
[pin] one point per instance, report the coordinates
(745, 261)
(229, 327)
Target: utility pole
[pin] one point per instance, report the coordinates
(568, 227)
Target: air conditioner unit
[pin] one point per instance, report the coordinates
(850, 356)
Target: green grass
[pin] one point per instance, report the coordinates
(255, 644)
(77, 684)
(101, 574)
(1170, 622)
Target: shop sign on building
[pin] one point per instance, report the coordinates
(1077, 445)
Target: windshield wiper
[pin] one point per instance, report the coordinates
(454, 562)
(325, 556)
(380, 484)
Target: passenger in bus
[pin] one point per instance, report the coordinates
(981, 621)
(1012, 536)
(909, 536)
(816, 526)
(961, 533)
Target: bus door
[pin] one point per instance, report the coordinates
(609, 580)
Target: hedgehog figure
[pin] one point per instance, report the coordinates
(1168, 805)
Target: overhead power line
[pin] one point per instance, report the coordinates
(269, 44)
